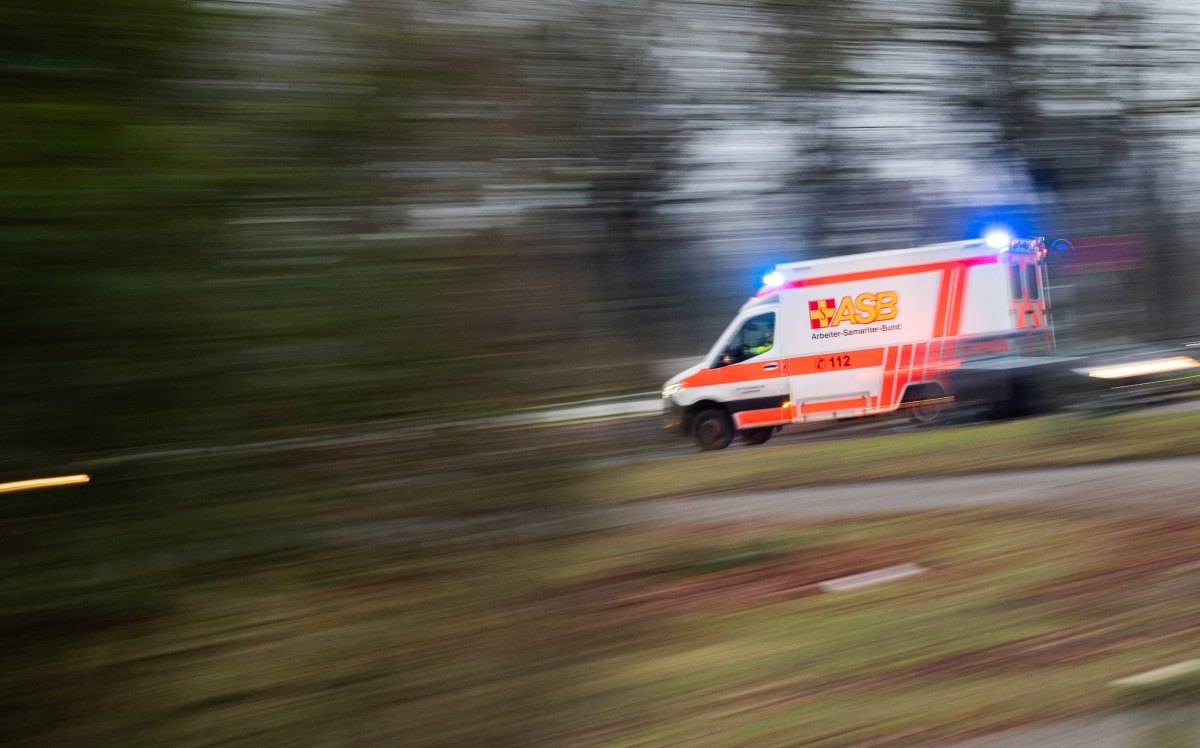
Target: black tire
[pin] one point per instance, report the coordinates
(927, 404)
(926, 414)
(757, 436)
(712, 429)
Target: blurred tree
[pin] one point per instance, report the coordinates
(819, 52)
(108, 196)
(1057, 102)
(240, 219)
(1065, 89)
(601, 119)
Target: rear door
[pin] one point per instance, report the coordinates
(1030, 308)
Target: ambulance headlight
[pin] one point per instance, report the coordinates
(671, 390)
(773, 279)
(997, 239)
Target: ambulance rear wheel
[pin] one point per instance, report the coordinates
(926, 403)
(925, 413)
(712, 429)
(757, 436)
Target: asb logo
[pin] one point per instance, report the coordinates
(857, 310)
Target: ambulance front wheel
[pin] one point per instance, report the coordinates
(712, 429)
(757, 436)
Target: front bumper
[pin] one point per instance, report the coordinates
(673, 420)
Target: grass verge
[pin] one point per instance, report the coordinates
(1016, 445)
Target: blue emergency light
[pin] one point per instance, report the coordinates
(998, 239)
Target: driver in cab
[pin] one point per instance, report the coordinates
(764, 345)
(765, 342)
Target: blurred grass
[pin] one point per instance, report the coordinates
(1014, 445)
(208, 599)
(561, 642)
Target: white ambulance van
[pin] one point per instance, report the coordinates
(863, 335)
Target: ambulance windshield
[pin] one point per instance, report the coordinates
(755, 337)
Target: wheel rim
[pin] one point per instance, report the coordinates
(926, 413)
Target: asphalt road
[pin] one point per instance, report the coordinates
(1152, 485)
(1133, 729)
(1156, 484)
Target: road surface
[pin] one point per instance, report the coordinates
(1153, 485)
(1133, 729)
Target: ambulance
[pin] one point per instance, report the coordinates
(863, 335)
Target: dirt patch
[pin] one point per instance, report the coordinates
(1136, 566)
(724, 583)
(1134, 563)
(1104, 638)
(1133, 552)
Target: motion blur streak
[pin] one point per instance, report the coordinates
(25, 485)
(348, 308)
(1142, 368)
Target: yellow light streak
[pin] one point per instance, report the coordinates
(1143, 368)
(25, 485)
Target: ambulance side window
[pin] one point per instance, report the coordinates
(1015, 272)
(755, 337)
